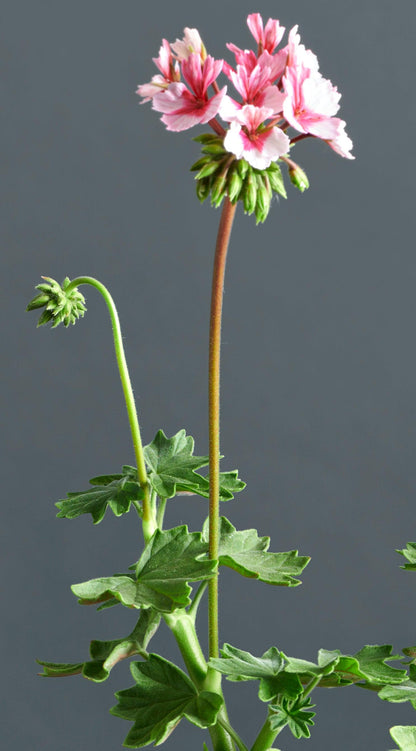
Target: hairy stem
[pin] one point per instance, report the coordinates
(149, 523)
(223, 237)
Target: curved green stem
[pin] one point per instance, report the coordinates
(223, 237)
(234, 735)
(149, 523)
(266, 737)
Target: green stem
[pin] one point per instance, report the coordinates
(197, 599)
(266, 737)
(234, 735)
(161, 512)
(149, 523)
(182, 626)
(311, 685)
(223, 237)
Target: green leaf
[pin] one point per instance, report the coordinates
(295, 714)
(327, 661)
(230, 483)
(172, 468)
(245, 552)
(404, 736)
(60, 669)
(170, 560)
(409, 552)
(114, 491)
(106, 654)
(372, 660)
(239, 665)
(171, 464)
(162, 696)
(403, 692)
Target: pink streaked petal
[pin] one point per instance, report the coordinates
(273, 34)
(171, 99)
(324, 127)
(320, 96)
(255, 24)
(191, 43)
(228, 109)
(157, 85)
(268, 37)
(272, 98)
(246, 58)
(199, 75)
(163, 62)
(298, 54)
(342, 144)
(275, 63)
(186, 111)
(260, 151)
(233, 141)
(252, 117)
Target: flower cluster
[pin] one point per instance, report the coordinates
(277, 89)
(62, 303)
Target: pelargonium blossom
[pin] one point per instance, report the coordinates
(184, 108)
(277, 88)
(248, 139)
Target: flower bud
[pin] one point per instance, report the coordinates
(250, 193)
(234, 186)
(298, 177)
(264, 197)
(202, 189)
(218, 189)
(62, 305)
(242, 167)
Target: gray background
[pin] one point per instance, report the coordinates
(319, 365)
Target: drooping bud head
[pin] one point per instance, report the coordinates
(61, 305)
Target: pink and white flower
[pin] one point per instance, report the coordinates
(190, 44)
(312, 101)
(182, 108)
(169, 73)
(249, 139)
(269, 37)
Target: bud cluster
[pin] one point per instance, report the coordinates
(220, 174)
(61, 305)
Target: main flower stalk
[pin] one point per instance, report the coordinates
(223, 237)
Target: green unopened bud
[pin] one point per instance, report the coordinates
(202, 189)
(218, 188)
(209, 168)
(298, 177)
(250, 193)
(215, 147)
(243, 168)
(235, 184)
(276, 180)
(61, 305)
(264, 196)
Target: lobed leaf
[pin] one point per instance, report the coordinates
(372, 660)
(409, 552)
(170, 560)
(172, 466)
(163, 694)
(106, 654)
(404, 736)
(239, 665)
(245, 552)
(116, 492)
(297, 715)
(405, 691)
